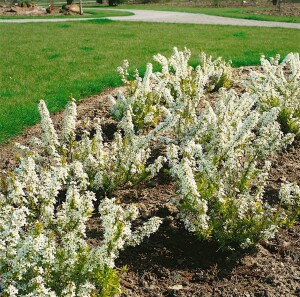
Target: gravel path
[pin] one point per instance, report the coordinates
(196, 18)
(169, 17)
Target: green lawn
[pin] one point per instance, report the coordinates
(54, 61)
(88, 13)
(232, 12)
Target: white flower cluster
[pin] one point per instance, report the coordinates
(290, 195)
(289, 198)
(278, 85)
(46, 202)
(219, 72)
(117, 224)
(177, 90)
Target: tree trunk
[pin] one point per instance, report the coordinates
(112, 3)
(80, 7)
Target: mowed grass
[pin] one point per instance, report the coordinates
(54, 61)
(88, 13)
(231, 12)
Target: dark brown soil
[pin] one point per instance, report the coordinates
(173, 262)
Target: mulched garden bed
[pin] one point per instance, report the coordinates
(172, 262)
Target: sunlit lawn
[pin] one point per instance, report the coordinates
(54, 61)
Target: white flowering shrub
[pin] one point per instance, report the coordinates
(221, 172)
(46, 202)
(278, 85)
(123, 161)
(218, 154)
(142, 102)
(105, 165)
(44, 249)
(219, 72)
(178, 88)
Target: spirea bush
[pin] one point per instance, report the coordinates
(44, 249)
(45, 205)
(278, 85)
(221, 169)
(218, 72)
(177, 89)
(122, 161)
(218, 153)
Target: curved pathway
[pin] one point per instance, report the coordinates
(196, 18)
(168, 17)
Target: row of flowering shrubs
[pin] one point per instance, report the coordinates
(217, 153)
